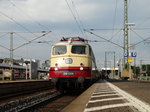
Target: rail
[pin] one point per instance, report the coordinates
(22, 104)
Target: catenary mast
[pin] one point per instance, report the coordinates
(127, 64)
(126, 36)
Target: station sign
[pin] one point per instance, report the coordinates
(125, 54)
(131, 54)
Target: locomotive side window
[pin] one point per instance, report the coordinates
(90, 51)
(78, 49)
(58, 50)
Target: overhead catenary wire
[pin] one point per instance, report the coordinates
(31, 18)
(142, 39)
(106, 29)
(3, 34)
(18, 33)
(81, 24)
(114, 18)
(41, 42)
(28, 41)
(32, 40)
(119, 30)
(135, 3)
(137, 34)
(21, 36)
(6, 53)
(140, 42)
(4, 47)
(17, 23)
(105, 39)
(115, 34)
(75, 18)
(96, 41)
(146, 28)
(22, 26)
(142, 28)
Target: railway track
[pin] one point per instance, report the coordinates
(28, 102)
(54, 105)
(46, 101)
(37, 100)
(11, 95)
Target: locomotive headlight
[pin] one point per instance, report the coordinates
(68, 61)
(56, 69)
(81, 68)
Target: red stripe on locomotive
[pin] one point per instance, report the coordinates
(74, 72)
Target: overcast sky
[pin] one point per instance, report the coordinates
(68, 18)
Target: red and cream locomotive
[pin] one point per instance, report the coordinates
(72, 63)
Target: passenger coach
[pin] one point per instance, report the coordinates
(72, 63)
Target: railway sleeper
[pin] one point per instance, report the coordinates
(22, 104)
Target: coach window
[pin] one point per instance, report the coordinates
(78, 49)
(58, 50)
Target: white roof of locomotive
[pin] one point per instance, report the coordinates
(72, 43)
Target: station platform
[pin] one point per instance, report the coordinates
(9, 87)
(20, 81)
(103, 96)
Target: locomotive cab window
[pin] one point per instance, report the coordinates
(76, 49)
(58, 50)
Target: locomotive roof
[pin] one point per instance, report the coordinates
(72, 43)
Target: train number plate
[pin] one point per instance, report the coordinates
(68, 73)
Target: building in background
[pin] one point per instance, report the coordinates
(23, 69)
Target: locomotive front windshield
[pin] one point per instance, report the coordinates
(76, 49)
(58, 50)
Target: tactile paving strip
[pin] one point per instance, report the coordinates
(109, 98)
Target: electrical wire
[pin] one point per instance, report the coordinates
(17, 23)
(137, 34)
(22, 37)
(22, 27)
(108, 29)
(31, 18)
(105, 29)
(80, 22)
(32, 40)
(3, 35)
(114, 18)
(105, 39)
(4, 47)
(115, 34)
(140, 42)
(74, 17)
(19, 9)
(142, 28)
(143, 39)
(134, 4)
